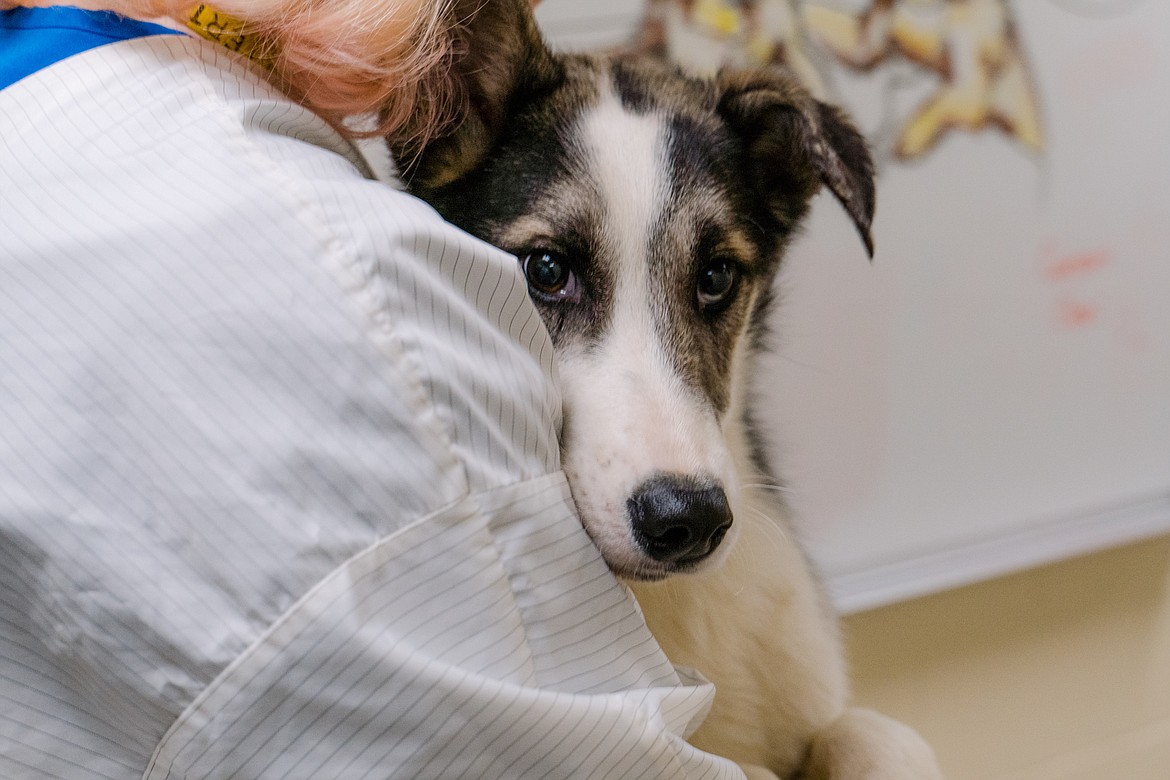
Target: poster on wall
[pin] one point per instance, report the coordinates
(993, 391)
(969, 50)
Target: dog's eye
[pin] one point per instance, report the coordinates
(550, 277)
(716, 284)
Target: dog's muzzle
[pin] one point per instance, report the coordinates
(678, 520)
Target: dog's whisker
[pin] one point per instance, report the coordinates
(767, 486)
(770, 524)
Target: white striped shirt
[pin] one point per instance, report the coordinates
(279, 484)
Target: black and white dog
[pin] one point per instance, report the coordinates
(650, 211)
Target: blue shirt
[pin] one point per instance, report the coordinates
(35, 38)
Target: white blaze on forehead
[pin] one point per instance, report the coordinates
(629, 371)
(630, 415)
(626, 160)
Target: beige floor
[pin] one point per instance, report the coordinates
(1059, 673)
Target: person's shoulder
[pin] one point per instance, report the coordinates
(235, 95)
(172, 91)
(227, 112)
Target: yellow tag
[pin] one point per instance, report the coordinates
(229, 32)
(718, 17)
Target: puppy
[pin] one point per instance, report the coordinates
(649, 212)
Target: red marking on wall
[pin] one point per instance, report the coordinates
(1078, 264)
(1076, 314)
(1080, 291)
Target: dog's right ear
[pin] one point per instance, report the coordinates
(498, 55)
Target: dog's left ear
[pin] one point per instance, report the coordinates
(797, 143)
(498, 56)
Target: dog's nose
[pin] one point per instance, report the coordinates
(678, 520)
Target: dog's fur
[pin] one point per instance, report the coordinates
(641, 180)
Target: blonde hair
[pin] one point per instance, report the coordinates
(389, 58)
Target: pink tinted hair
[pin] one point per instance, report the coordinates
(342, 58)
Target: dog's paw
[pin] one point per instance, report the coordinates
(866, 745)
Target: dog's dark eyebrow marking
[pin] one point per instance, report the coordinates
(725, 241)
(631, 90)
(694, 145)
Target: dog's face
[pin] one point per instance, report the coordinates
(648, 212)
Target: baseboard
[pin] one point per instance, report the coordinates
(1037, 544)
